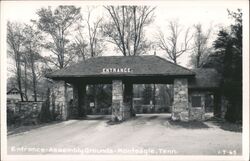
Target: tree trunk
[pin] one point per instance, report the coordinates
(95, 95)
(66, 111)
(34, 81)
(34, 78)
(53, 106)
(154, 91)
(18, 66)
(25, 80)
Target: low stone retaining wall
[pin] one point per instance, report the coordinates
(196, 114)
(23, 112)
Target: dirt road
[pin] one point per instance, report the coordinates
(152, 134)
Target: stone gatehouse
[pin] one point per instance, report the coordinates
(190, 86)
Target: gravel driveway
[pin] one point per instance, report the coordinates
(153, 134)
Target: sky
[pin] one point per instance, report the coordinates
(208, 13)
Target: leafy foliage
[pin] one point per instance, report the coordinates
(32, 56)
(227, 59)
(58, 25)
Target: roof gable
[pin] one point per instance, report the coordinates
(13, 90)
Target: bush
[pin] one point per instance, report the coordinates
(10, 117)
(45, 115)
(234, 113)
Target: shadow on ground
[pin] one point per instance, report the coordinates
(25, 128)
(153, 117)
(97, 117)
(224, 125)
(188, 125)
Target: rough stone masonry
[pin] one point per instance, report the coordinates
(180, 104)
(117, 100)
(58, 98)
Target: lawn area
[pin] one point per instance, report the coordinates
(153, 134)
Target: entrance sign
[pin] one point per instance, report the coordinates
(116, 70)
(91, 104)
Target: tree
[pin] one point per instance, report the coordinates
(227, 59)
(94, 46)
(79, 47)
(90, 44)
(93, 31)
(15, 40)
(166, 96)
(25, 61)
(126, 28)
(11, 82)
(32, 45)
(147, 94)
(170, 44)
(58, 24)
(201, 50)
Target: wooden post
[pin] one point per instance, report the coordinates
(82, 100)
(128, 100)
(74, 109)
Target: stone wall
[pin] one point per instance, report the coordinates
(24, 112)
(197, 113)
(180, 104)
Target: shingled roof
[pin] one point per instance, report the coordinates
(137, 65)
(205, 78)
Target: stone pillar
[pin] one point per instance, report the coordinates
(180, 104)
(82, 99)
(117, 100)
(128, 100)
(59, 99)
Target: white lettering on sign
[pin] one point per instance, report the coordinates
(116, 70)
